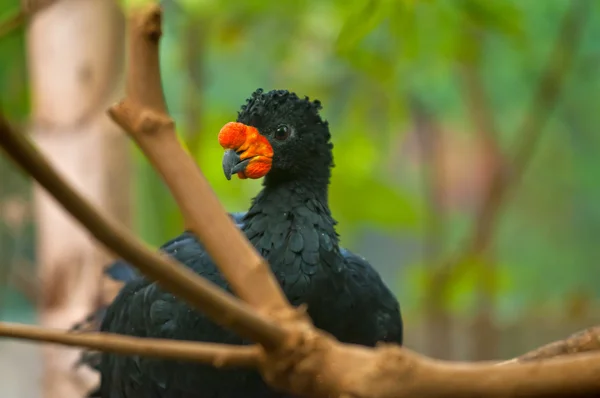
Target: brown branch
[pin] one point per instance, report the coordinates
(322, 367)
(218, 355)
(143, 115)
(334, 369)
(215, 302)
(584, 341)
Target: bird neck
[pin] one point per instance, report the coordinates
(292, 204)
(292, 215)
(290, 194)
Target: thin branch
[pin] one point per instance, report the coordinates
(200, 293)
(544, 100)
(335, 369)
(584, 341)
(218, 355)
(547, 94)
(144, 116)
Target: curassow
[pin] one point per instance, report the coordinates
(282, 138)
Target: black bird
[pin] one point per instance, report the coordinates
(282, 138)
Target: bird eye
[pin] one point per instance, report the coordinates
(282, 132)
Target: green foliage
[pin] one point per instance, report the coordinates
(461, 296)
(14, 93)
(365, 59)
(380, 203)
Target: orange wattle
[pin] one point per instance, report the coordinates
(247, 140)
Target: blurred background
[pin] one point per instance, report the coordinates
(466, 141)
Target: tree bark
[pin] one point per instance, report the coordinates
(75, 59)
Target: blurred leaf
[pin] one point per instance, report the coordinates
(361, 58)
(128, 5)
(14, 93)
(364, 16)
(498, 16)
(379, 203)
(460, 296)
(197, 6)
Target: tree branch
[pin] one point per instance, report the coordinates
(143, 115)
(544, 100)
(334, 369)
(390, 371)
(584, 341)
(546, 96)
(215, 302)
(218, 355)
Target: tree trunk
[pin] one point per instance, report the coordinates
(75, 57)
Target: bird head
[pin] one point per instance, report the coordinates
(277, 135)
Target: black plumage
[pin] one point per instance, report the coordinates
(290, 224)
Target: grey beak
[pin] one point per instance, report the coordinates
(232, 164)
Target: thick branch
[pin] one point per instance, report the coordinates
(389, 371)
(215, 302)
(218, 355)
(319, 366)
(143, 115)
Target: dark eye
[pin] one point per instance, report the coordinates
(282, 132)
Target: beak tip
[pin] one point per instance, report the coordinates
(230, 160)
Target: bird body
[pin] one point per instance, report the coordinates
(291, 226)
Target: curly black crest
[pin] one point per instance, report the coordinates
(259, 102)
(279, 103)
